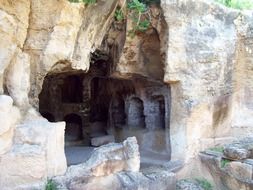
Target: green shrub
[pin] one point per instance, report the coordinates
(224, 162)
(204, 183)
(137, 12)
(119, 15)
(51, 185)
(237, 4)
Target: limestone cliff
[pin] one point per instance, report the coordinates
(201, 50)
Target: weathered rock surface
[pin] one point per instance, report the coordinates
(37, 152)
(24, 165)
(19, 86)
(188, 185)
(130, 181)
(206, 59)
(10, 115)
(50, 138)
(228, 175)
(242, 170)
(242, 149)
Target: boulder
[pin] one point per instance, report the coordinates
(233, 175)
(105, 160)
(98, 141)
(241, 170)
(239, 150)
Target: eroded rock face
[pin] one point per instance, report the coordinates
(37, 153)
(38, 37)
(207, 65)
(202, 50)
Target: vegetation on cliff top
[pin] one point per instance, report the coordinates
(137, 11)
(237, 4)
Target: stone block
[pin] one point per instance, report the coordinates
(50, 137)
(23, 165)
(239, 150)
(241, 170)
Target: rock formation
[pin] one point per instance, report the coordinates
(232, 167)
(182, 86)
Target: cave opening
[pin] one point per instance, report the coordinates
(97, 106)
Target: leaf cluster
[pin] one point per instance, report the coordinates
(138, 11)
(204, 183)
(119, 15)
(51, 185)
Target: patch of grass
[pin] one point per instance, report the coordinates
(51, 185)
(224, 162)
(217, 149)
(237, 4)
(204, 183)
(119, 15)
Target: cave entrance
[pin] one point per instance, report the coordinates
(61, 100)
(98, 109)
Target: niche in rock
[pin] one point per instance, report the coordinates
(135, 114)
(159, 111)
